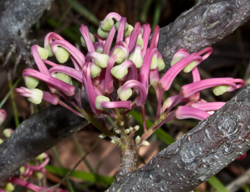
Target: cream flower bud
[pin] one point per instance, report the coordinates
(41, 156)
(7, 132)
(137, 127)
(190, 67)
(99, 99)
(107, 24)
(36, 96)
(145, 143)
(127, 131)
(124, 94)
(119, 71)
(128, 30)
(161, 64)
(136, 57)
(154, 62)
(102, 34)
(138, 139)
(95, 70)
(48, 48)
(1, 141)
(31, 82)
(83, 43)
(117, 24)
(219, 90)
(102, 136)
(43, 52)
(8, 187)
(139, 41)
(62, 55)
(175, 61)
(118, 131)
(102, 60)
(121, 55)
(63, 77)
(115, 141)
(22, 170)
(39, 175)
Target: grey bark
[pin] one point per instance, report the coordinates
(16, 18)
(191, 160)
(197, 155)
(39, 133)
(203, 25)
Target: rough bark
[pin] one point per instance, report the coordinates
(191, 160)
(16, 18)
(36, 135)
(197, 155)
(203, 25)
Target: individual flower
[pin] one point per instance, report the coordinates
(3, 116)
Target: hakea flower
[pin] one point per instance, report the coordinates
(116, 72)
(27, 171)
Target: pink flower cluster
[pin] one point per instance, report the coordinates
(117, 71)
(27, 170)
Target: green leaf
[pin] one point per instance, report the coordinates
(83, 11)
(81, 175)
(217, 184)
(159, 132)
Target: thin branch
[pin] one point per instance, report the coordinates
(239, 182)
(203, 25)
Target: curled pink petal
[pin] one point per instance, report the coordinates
(74, 52)
(207, 51)
(155, 38)
(109, 41)
(56, 83)
(210, 106)
(85, 33)
(68, 71)
(39, 62)
(50, 97)
(145, 69)
(142, 96)
(114, 16)
(117, 104)
(184, 112)
(120, 34)
(189, 89)
(146, 33)
(169, 76)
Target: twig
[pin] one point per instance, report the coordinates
(80, 160)
(239, 182)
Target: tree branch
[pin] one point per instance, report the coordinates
(197, 155)
(203, 25)
(35, 135)
(16, 18)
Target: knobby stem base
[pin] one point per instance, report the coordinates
(128, 155)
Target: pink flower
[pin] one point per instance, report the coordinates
(3, 115)
(116, 72)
